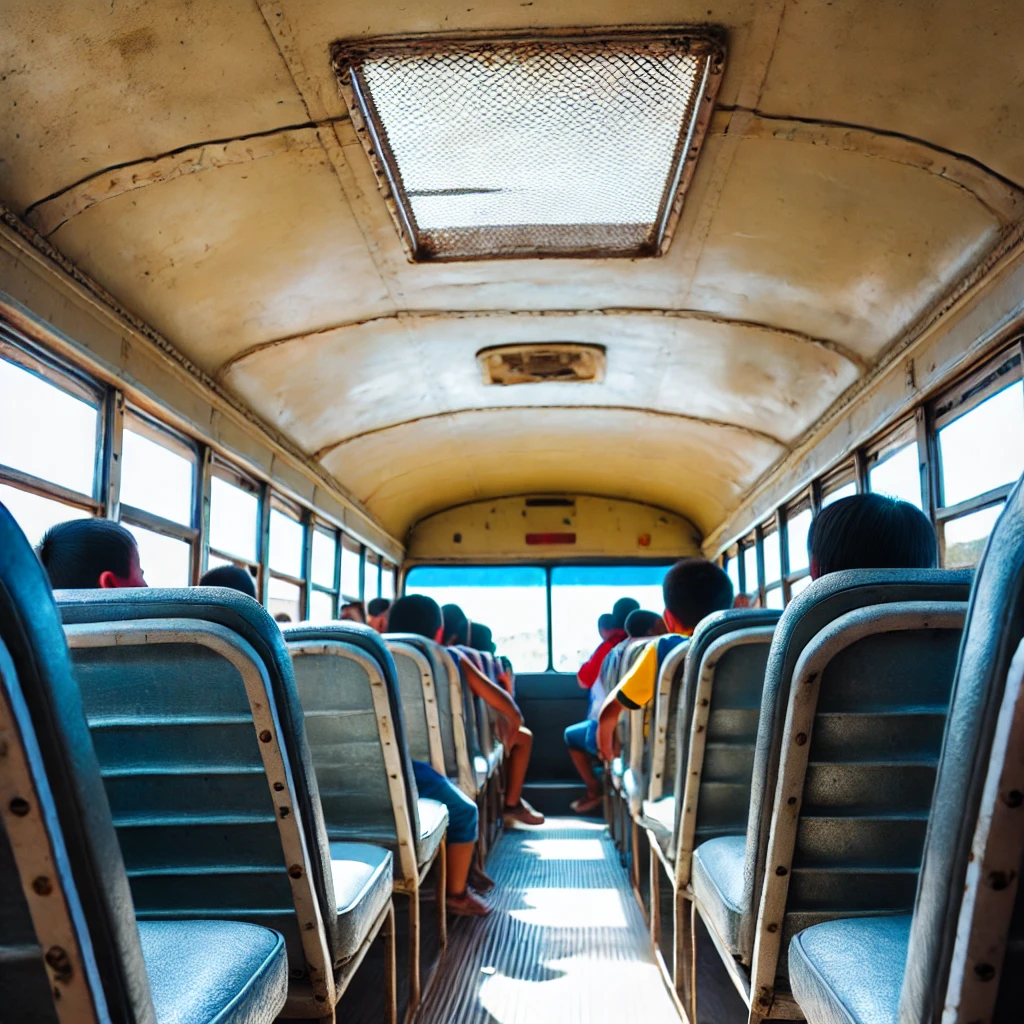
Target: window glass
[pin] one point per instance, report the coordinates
(581, 593)
(321, 606)
(165, 561)
(846, 491)
(965, 537)
(215, 561)
(234, 514)
(773, 598)
(46, 431)
(512, 600)
(750, 583)
(772, 557)
(732, 569)
(285, 544)
(35, 515)
(156, 479)
(371, 577)
(387, 582)
(325, 552)
(898, 476)
(797, 529)
(984, 448)
(349, 571)
(283, 599)
(799, 586)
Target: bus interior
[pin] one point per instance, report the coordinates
(516, 310)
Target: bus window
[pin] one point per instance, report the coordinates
(35, 514)
(799, 586)
(284, 598)
(772, 568)
(234, 515)
(349, 569)
(321, 606)
(156, 474)
(984, 448)
(732, 569)
(797, 529)
(166, 561)
(847, 490)
(325, 558)
(898, 475)
(371, 576)
(512, 600)
(751, 586)
(387, 582)
(285, 544)
(581, 593)
(964, 538)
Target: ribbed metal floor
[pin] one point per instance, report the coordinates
(565, 943)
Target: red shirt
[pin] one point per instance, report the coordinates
(589, 673)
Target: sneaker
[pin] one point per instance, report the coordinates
(468, 904)
(587, 804)
(524, 813)
(482, 882)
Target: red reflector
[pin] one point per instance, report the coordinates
(551, 538)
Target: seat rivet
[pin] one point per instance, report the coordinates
(19, 807)
(773, 928)
(1014, 798)
(42, 886)
(800, 739)
(278, 786)
(265, 736)
(295, 871)
(780, 871)
(985, 972)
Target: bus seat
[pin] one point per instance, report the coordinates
(941, 947)
(63, 885)
(824, 601)
(860, 747)
(191, 700)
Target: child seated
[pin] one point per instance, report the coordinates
(90, 554)
(693, 588)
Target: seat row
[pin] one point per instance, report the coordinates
(204, 820)
(818, 789)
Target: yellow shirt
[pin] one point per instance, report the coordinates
(640, 683)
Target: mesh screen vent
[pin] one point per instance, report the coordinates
(562, 362)
(526, 147)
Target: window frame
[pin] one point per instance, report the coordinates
(798, 506)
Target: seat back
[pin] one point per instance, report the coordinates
(69, 945)
(191, 701)
(986, 976)
(995, 627)
(860, 747)
(356, 733)
(822, 602)
(719, 708)
(661, 770)
(419, 700)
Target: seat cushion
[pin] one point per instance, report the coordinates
(481, 769)
(433, 821)
(618, 768)
(633, 790)
(718, 887)
(363, 877)
(850, 971)
(214, 972)
(659, 816)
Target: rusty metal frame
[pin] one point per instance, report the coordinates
(993, 869)
(659, 743)
(703, 41)
(280, 783)
(795, 747)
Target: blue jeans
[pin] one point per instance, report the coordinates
(582, 736)
(463, 816)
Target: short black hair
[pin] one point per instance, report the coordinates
(871, 531)
(456, 625)
(641, 622)
(694, 588)
(621, 610)
(76, 553)
(378, 606)
(358, 606)
(481, 638)
(233, 577)
(606, 621)
(416, 613)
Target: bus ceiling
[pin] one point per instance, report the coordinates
(843, 195)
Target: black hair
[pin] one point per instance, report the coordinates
(871, 531)
(456, 625)
(606, 621)
(76, 553)
(378, 606)
(694, 588)
(416, 613)
(621, 610)
(282, 617)
(481, 638)
(641, 622)
(231, 576)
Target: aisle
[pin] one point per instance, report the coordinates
(566, 942)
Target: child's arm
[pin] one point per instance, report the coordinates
(493, 695)
(607, 720)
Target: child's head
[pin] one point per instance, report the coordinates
(606, 625)
(621, 610)
(644, 623)
(481, 638)
(231, 576)
(89, 554)
(870, 531)
(377, 614)
(418, 614)
(353, 611)
(693, 589)
(456, 626)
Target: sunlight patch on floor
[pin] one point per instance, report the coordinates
(565, 849)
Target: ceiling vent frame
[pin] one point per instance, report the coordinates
(707, 42)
